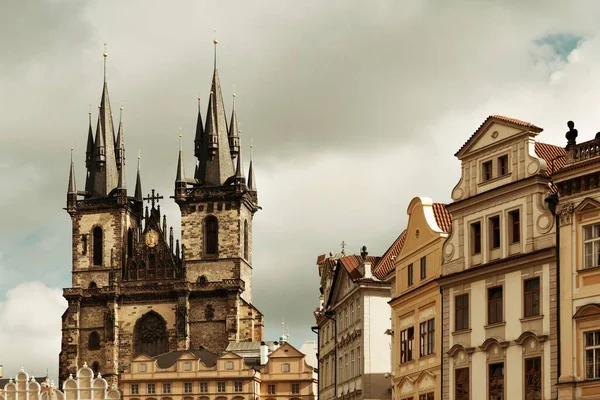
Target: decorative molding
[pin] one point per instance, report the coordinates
(565, 213)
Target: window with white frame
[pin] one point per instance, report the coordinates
(221, 387)
(187, 387)
(237, 386)
(592, 355)
(591, 246)
(135, 388)
(285, 367)
(203, 387)
(151, 388)
(166, 388)
(295, 388)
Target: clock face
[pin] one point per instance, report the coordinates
(151, 238)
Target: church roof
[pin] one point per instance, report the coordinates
(167, 360)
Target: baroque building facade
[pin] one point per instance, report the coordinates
(135, 290)
(202, 375)
(412, 265)
(354, 351)
(499, 275)
(578, 215)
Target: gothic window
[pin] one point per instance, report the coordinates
(246, 239)
(202, 280)
(129, 243)
(94, 341)
(96, 367)
(150, 335)
(209, 312)
(92, 285)
(97, 233)
(211, 229)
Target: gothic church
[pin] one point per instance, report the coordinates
(134, 289)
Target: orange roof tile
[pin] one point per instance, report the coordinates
(352, 262)
(553, 155)
(321, 259)
(442, 217)
(502, 119)
(386, 264)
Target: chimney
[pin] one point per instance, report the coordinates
(264, 350)
(368, 273)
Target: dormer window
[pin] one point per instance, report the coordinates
(486, 170)
(503, 165)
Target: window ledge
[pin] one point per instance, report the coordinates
(407, 362)
(462, 331)
(426, 356)
(584, 271)
(498, 178)
(496, 325)
(532, 318)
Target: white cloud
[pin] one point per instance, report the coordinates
(30, 329)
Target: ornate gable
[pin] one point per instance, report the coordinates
(153, 257)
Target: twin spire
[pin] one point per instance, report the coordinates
(105, 155)
(216, 145)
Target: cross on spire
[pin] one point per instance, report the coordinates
(343, 244)
(154, 198)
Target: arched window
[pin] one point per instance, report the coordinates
(211, 233)
(202, 280)
(94, 341)
(150, 335)
(97, 233)
(130, 243)
(96, 367)
(92, 285)
(246, 239)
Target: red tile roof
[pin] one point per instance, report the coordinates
(321, 259)
(442, 217)
(386, 264)
(553, 155)
(500, 118)
(352, 262)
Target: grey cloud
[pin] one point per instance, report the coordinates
(354, 108)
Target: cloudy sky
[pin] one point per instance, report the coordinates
(354, 108)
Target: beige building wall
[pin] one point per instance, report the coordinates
(416, 303)
(578, 212)
(501, 242)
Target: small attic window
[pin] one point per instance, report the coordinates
(187, 366)
(229, 365)
(503, 165)
(486, 170)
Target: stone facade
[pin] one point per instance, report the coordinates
(578, 215)
(135, 290)
(354, 350)
(499, 272)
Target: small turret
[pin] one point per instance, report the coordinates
(138, 182)
(199, 134)
(89, 156)
(120, 146)
(180, 184)
(234, 138)
(72, 189)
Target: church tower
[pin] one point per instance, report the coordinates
(135, 290)
(217, 208)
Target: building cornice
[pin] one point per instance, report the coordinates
(507, 264)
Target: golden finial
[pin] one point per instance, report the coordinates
(71, 151)
(89, 109)
(233, 90)
(121, 108)
(105, 54)
(139, 154)
(251, 149)
(215, 41)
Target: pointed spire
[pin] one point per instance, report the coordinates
(234, 138)
(121, 155)
(216, 164)
(72, 186)
(180, 178)
(199, 134)
(105, 170)
(251, 178)
(89, 155)
(164, 227)
(239, 178)
(138, 180)
(72, 189)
